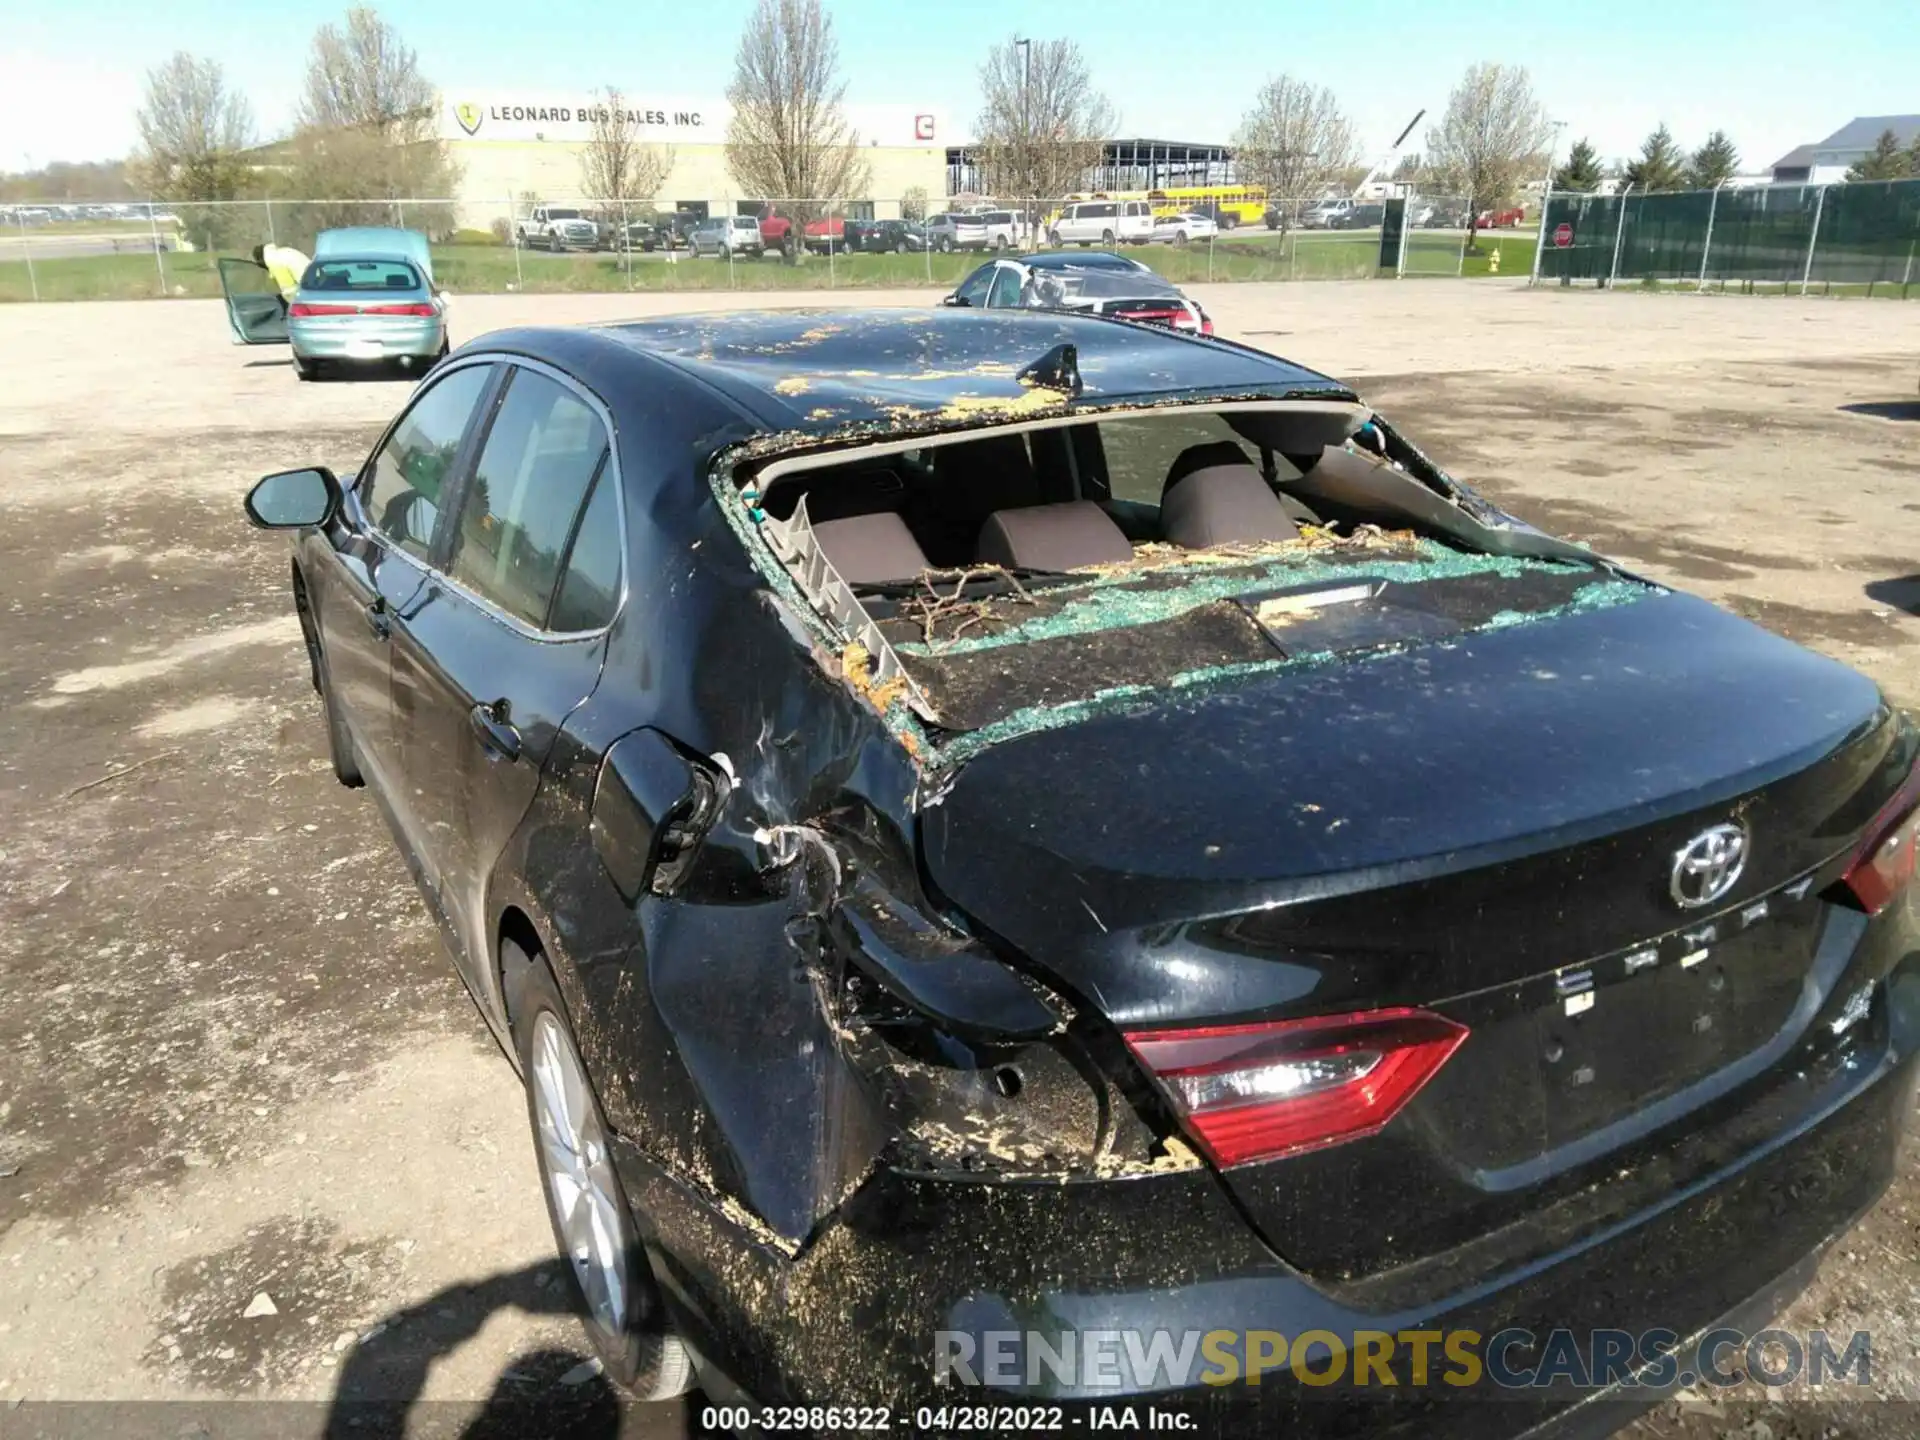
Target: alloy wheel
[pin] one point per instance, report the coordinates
(578, 1170)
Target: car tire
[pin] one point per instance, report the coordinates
(1179, 237)
(625, 1318)
(305, 369)
(1106, 238)
(340, 747)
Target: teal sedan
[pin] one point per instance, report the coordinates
(366, 299)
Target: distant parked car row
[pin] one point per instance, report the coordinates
(32, 215)
(1343, 213)
(1083, 222)
(567, 228)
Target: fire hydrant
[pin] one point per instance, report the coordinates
(1493, 261)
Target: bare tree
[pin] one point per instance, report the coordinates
(1491, 138)
(193, 132)
(1042, 124)
(1295, 141)
(191, 127)
(365, 77)
(789, 139)
(368, 126)
(616, 165)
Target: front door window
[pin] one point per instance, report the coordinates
(401, 492)
(543, 451)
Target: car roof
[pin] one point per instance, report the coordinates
(827, 373)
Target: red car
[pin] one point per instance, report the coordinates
(1501, 219)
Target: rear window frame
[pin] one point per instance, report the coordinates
(309, 280)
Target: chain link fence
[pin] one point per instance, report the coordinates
(575, 243)
(1859, 237)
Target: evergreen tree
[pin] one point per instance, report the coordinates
(1885, 163)
(1582, 170)
(1714, 163)
(1658, 165)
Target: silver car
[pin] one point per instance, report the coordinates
(722, 235)
(367, 298)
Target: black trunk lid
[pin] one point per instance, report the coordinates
(1485, 828)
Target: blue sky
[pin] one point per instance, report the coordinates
(1774, 75)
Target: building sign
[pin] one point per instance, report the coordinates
(572, 117)
(565, 119)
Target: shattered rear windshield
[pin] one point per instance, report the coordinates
(986, 585)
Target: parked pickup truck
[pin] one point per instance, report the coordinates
(556, 227)
(776, 231)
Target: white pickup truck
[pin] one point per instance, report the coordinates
(556, 227)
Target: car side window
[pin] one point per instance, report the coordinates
(973, 289)
(590, 588)
(543, 451)
(402, 489)
(1006, 288)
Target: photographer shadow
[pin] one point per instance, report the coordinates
(555, 1391)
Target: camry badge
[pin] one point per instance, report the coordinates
(1708, 866)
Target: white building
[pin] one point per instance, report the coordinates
(509, 145)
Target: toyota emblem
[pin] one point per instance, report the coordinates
(1708, 866)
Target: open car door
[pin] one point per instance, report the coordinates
(255, 308)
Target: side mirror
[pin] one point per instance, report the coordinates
(959, 300)
(294, 499)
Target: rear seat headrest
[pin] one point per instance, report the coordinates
(1220, 500)
(1204, 456)
(1052, 537)
(867, 549)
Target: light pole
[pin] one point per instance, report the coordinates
(1025, 47)
(1546, 195)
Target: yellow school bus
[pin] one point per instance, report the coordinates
(1232, 204)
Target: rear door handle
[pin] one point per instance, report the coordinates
(380, 619)
(490, 724)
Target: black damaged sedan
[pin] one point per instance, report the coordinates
(987, 830)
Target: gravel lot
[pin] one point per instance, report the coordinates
(234, 1059)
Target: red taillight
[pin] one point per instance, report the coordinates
(1883, 865)
(1257, 1092)
(304, 308)
(1206, 325)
